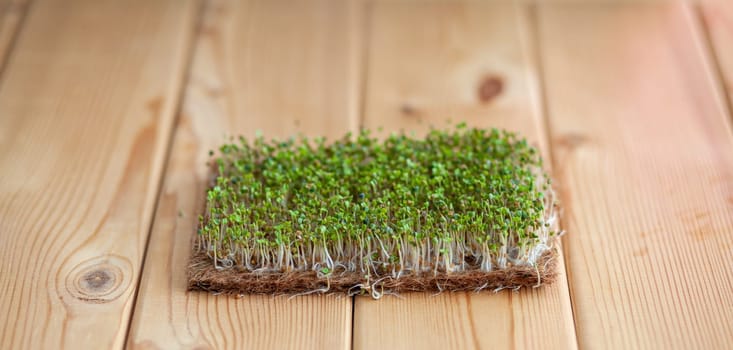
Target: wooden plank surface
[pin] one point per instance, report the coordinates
(11, 15)
(85, 119)
(645, 159)
(717, 17)
(464, 61)
(276, 66)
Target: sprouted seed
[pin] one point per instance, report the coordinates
(451, 201)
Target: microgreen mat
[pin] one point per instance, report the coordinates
(456, 201)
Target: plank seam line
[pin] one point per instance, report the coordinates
(353, 312)
(536, 45)
(711, 59)
(365, 11)
(5, 58)
(366, 25)
(185, 71)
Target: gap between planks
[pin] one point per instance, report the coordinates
(177, 110)
(546, 127)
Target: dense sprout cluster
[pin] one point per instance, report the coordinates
(466, 199)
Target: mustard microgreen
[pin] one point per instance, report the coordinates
(452, 201)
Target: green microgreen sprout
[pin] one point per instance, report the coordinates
(453, 201)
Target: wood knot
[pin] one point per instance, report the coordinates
(410, 111)
(490, 87)
(571, 141)
(407, 109)
(155, 105)
(99, 280)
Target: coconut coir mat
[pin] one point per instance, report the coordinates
(202, 275)
(467, 209)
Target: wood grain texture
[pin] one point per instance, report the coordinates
(464, 61)
(276, 66)
(11, 15)
(717, 17)
(645, 157)
(86, 106)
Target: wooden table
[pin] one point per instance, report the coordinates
(108, 110)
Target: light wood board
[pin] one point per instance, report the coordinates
(85, 121)
(464, 61)
(276, 66)
(644, 156)
(638, 96)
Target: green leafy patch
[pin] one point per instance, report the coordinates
(456, 200)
